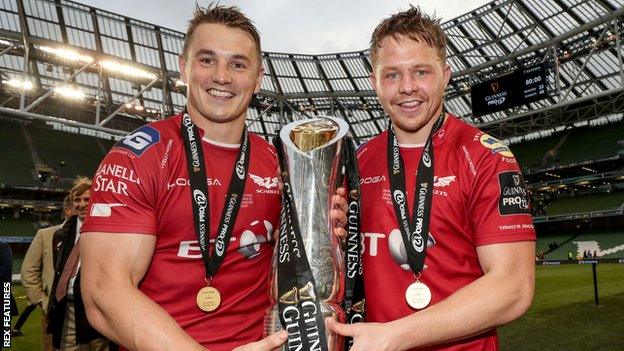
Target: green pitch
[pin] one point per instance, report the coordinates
(563, 315)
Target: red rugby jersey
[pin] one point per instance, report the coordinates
(142, 186)
(479, 198)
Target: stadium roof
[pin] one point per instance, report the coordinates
(125, 71)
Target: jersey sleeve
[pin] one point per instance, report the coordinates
(498, 208)
(124, 192)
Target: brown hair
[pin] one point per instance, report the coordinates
(412, 24)
(67, 203)
(228, 16)
(81, 184)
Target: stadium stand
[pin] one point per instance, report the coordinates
(68, 155)
(16, 163)
(41, 157)
(573, 145)
(585, 203)
(607, 244)
(17, 226)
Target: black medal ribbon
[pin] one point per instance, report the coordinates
(354, 303)
(298, 303)
(415, 232)
(199, 195)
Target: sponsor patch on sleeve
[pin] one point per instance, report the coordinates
(495, 145)
(514, 196)
(140, 140)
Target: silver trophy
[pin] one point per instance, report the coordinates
(312, 150)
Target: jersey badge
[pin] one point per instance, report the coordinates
(140, 140)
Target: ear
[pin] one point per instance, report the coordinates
(373, 80)
(259, 80)
(447, 75)
(182, 66)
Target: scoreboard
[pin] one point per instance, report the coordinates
(519, 87)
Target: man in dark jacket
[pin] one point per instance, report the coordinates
(67, 320)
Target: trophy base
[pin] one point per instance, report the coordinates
(272, 325)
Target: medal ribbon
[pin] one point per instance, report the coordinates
(415, 233)
(199, 195)
(294, 273)
(354, 297)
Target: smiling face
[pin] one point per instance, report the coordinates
(81, 203)
(222, 70)
(410, 77)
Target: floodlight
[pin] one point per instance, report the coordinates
(179, 82)
(67, 54)
(138, 107)
(19, 84)
(127, 70)
(70, 92)
(128, 105)
(5, 43)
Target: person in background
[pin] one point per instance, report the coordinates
(67, 319)
(38, 272)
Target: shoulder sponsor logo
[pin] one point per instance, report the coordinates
(495, 145)
(103, 210)
(114, 179)
(140, 140)
(514, 197)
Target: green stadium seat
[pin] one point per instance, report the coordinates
(16, 163)
(68, 154)
(607, 244)
(592, 143)
(17, 227)
(585, 203)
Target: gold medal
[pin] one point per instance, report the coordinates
(208, 299)
(418, 295)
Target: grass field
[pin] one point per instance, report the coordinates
(563, 315)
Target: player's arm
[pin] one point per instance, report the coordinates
(501, 295)
(31, 270)
(112, 267)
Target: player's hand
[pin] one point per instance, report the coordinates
(269, 343)
(366, 336)
(339, 213)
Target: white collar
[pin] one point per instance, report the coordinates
(220, 144)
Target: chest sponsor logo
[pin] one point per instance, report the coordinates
(265, 184)
(140, 140)
(395, 246)
(185, 182)
(514, 196)
(495, 145)
(103, 210)
(373, 179)
(250, 242)
(114, 179)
